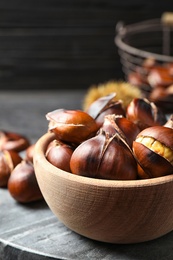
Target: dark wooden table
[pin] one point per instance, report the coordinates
(32, 232)
(51, 43)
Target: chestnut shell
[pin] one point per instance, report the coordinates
(162, 134)
(152, 163)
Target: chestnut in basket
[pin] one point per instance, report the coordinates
(153, 149)
(8, 161)
(162, 97)
(22, 183)
(73, 126)
(160, 76)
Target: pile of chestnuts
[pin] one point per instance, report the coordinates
(17, 172)
(156, 79)
(108, 141)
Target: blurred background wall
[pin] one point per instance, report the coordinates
(58, 44)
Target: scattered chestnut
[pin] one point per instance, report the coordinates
(104, 157)
(59, 154)
(153, 149)
(22, 183)
(145, 113)
(13, 141)
(8, 161)
(73, 126)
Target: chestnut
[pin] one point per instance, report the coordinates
(145, 113)
(169, 123)
(8, 161)
(153, 149)
(59, 154)
(13, 141)
(104, 106)
(169, 66)
(141, 173)
(22, 184)
(73, 126)
(149, 63)
(104, 157)
(137, 79)
(163, 98)
(160, 76)
(126, 128)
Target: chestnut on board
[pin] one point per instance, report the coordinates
(13, 141)
(8, 161)
(22, 183)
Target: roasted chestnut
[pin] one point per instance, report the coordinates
(169, 123)
(59, 154)
(160, 76)
(153, 149)
(13, 141)
(104, 157)
(141, 173)
(8, 161)
(126, 128)
(22, 183)
(137, 79)
(104, 106)
(73, 126)
(163, 98)
(145, 113)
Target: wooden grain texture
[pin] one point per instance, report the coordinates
(109, 211)
(62, 44)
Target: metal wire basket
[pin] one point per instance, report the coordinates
(151, 39)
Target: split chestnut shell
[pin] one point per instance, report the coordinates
(72, 126)
(153, 149)
(104, 157)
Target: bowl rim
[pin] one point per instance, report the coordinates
(39, 156)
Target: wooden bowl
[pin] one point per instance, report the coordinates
(105, 210)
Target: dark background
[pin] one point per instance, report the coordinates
(61, 44)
